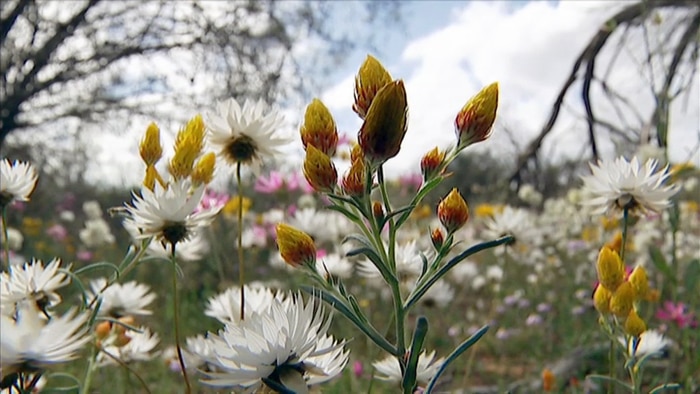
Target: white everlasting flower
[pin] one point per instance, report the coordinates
(650, 341)
(225, 306)
(169, 215)
(464, 271)
(439, 295)
(617, 185)
(92, 210)
(287, 343)
(511, 221)
(139, 348)
(121, 299)
(246, 135)
(14, 240)
(32, 281)
(335, 265)
(389, 368)
(409, 263)
(96, 233)
(17, 181)
(191, 249)
(29, 342)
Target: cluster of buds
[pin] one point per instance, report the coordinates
(108, 333)
(618, 293)
(319, 135)
(188, 161)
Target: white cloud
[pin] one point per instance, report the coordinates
(530, 51)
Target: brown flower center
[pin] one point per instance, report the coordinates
(240, 149)
(174, 232)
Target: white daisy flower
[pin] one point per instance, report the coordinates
(246, 135)
(121, 299)
(439, 295)
(17, 181)
(168, 215)
(32, 281)
(335, 265)
(30, 342)
(96, 233)
(14, 240)
(139, 348)
(650, 341)
(511, 221)
(389, 368)
(288, 343)
(191, 249)
(616, 185)
(409, 264)
(225, 307)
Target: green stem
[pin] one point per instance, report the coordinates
(625, 225)
(6, 245)
(241, 269)
(90, 370)
(176, 315)
(611, 360)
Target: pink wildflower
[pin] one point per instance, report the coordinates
(272, 184)
(678, 313)
(357, 369)
(57, 232)
(212, 199)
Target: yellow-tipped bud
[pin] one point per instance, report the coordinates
(640, 282)
(430, 163)
(188, 146)
(319, 170)
(319, 128)
(377, 210)
(611, 270)
(233, 205)
(437, 238)
(385, 125)
(622, 300)
(204, 170)
(353, 183)
(474, 122)
(369, 80)
(150, 149)
(453, 211)
(634, 325)
(121, 340)
(296, 247)
(615, 243)
(356, 153)
(601, 299)
(548, 380)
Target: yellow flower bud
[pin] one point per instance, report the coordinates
(634, 325)
(453, 211)
(370, 79)
(437, 238)
(296, 247)
(103, 329)
(122, 340)
(640, 282)
(377, 210)
(601, 299)
(473, 123)
(611, 270)
(430, 163)
(385, 125)
(356, 153)
(150, 149)
(204, 169)
(615, 243)
(353, 183)
(319, 170)
(622, 300)
(233, 205)
(188, 146)
(319, 128)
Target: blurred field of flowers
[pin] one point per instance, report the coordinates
(535, 292)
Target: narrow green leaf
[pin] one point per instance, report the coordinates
(409, 377)
(360, 323)
(427, 188)
(344, 211)
(664, 387)
(453, 356)
(93, 266)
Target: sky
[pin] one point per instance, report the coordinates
(446, 51)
